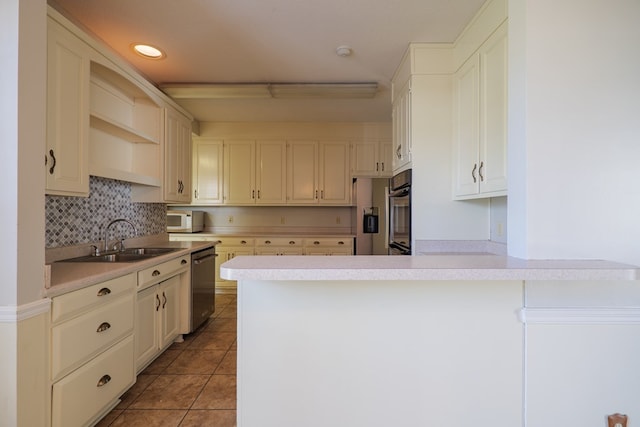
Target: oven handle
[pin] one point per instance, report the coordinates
(403, 192)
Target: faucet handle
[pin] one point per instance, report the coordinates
(96, 251)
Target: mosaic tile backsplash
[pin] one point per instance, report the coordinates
(77, 220)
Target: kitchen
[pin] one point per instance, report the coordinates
(557, 209)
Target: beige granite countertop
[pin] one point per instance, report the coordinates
(69, 276)
(422, 267)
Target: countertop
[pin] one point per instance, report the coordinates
(70, 276)
(422, 267)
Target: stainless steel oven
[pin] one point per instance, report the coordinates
(400, 214)
(203, 286)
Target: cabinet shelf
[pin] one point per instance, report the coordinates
(120, 130)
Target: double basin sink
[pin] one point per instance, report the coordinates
(127, 255)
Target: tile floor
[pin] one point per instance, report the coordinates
(192, 383)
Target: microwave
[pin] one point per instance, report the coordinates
(185, 221)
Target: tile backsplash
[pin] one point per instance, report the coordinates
(77, 220)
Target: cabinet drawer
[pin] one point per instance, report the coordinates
(86, 392)
(235, 241)
(79, 339)
(346, 242)
(160, 272)
(278, 241)
(74, 303)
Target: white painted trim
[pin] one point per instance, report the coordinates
(580, 316)
(14, 314)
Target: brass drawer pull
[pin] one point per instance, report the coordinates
(341, 242)
(316, 243)
(104, 291)
(155, 273)
(183, 262)
(103, 327)
(104, 380)
(267, 242)
(291, 242)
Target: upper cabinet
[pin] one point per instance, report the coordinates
(254, 172)
(66, 158)
(372, 159)
(318, 173)
(104, 119)
(480, 121)
(177, 157)
(401, 117)
(207, 171)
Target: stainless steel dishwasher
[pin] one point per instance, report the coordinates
(203, 286)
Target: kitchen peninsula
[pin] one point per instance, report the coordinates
(456, 340)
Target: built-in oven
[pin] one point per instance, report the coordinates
(400, 213)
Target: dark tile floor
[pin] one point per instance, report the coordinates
(192, 383)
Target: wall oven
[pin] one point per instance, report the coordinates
(400, 214)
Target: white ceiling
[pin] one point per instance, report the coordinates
(241, 41)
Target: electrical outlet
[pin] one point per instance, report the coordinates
(230, 219)
(337, 220)
(281, 220)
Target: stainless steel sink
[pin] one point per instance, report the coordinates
(128, 255)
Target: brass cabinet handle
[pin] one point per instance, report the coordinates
(480, 171)
(267, 242)
(473, 173)
(157, 302)
(258, 194)
(341, 242)
(104, 380)
(164, 300)
(183, 262)
(243, 242)
(382, 166)
(53, 158)
(316, 242)
(316, 194)
(104, 291)
(253, 194)
(292, 242)
(377, 166)
(155, 273)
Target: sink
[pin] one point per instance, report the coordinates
(128, 255)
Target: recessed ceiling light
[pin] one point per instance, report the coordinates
(147, 51)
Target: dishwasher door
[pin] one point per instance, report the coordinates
(203, 286)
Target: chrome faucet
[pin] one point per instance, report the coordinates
(106, 232)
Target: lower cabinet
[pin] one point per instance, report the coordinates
(157, 320)
(328, 246)
(279, 246)
(92, 350)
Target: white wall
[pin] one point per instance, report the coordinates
(574, 131)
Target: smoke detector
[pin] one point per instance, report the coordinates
(343, 51)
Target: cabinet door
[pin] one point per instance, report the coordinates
(335, 180)
(271, 172)
(68, 70)
(177, 162)
(365, 159)
(493, 113)
(302, 172)
(169, 294)
(207, 170)
(401, 120)
(466, 112)
(146, 327)
(385, 158)
(239, 172)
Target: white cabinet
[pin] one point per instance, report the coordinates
(66, 159)
(480, 121)
(177, 157)
(318, 173)
(159, 308)
(207, 171)
(402, 122)
(227, 249)
(254, 172)
(278, 246)
(92, 357)
(328, 246)
(372, 159)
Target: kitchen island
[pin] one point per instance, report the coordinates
(455, 340)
